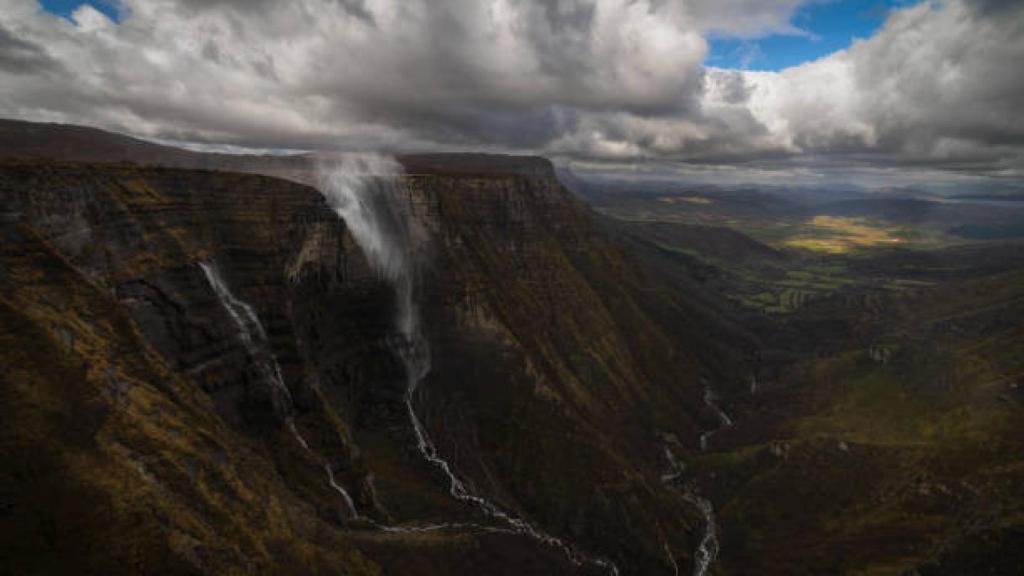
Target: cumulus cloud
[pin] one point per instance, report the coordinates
(313, 71)
(592, 80)
(937, 85)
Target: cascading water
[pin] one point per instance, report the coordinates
(707, 549)
(254, 338)
(365, 191)
(711, 401)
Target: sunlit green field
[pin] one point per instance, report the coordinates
(840, 235)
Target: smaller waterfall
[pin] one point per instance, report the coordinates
(337, 488)
(671, 559)
(707, 550)
(254, 338)
(711, 401)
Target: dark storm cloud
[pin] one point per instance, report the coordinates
(734, 87)
(356, 8)
(996, 7)
(22, 57)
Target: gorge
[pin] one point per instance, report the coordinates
(451, 364)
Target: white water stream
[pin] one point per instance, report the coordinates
(711, 401)
(365, 191)
(708, 548)
(254, 338)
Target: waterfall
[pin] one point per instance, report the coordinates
(337, 487)
(254, 338)
(671, 558)
(707, 549)
(711, 401)
(365, 191)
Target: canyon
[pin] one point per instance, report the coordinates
(189, 349)
(450, 364)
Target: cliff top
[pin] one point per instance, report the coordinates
(23, 140)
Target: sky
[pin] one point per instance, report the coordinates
(66, 8)
(879, 91)
(819, 28)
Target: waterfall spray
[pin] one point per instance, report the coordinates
(365, 191)
(254, 338)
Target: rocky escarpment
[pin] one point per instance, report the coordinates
(552, 387)
(145, 436)
(126, 454)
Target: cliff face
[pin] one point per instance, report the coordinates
(137, 436)
(146, 429)
(553, 387)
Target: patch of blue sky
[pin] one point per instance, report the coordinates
(65, 8)
(829, 26)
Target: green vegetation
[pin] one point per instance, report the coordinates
(837, 235)
(699, 200)
(881, 223)
(905, 439)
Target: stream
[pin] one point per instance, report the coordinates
(707, 550)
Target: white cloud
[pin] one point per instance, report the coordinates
(747, 18)
(609, 80)
(938, 84)
(317, 69)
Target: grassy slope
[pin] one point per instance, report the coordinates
(896, 447)
(891, 455)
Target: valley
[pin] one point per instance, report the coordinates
(447, 364)
(885, 397)
(511, 288)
